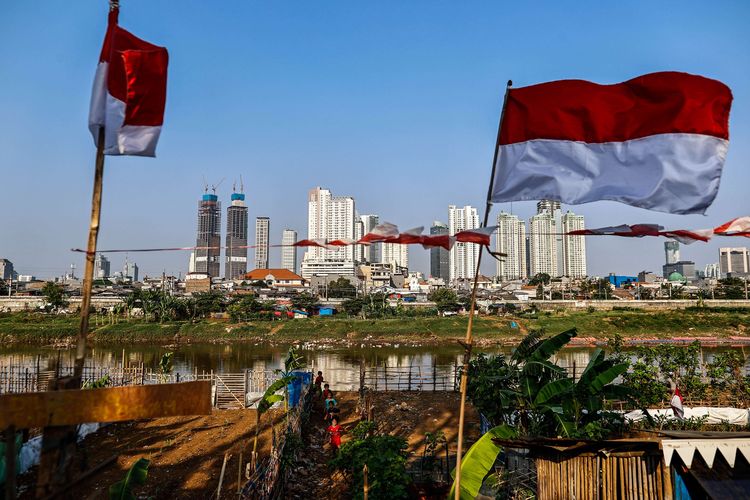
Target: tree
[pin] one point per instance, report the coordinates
(540, 278)
(54, 295)
(342, 288)
(209, 302)
(244, 308)
(305, 302)
(353, 307)
(445, 299)
(730, 288)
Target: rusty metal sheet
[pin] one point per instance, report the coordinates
(114, 404)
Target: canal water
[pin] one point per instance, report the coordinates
(340, 364)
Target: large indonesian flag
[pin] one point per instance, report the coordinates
(657, 142)
(130, 91)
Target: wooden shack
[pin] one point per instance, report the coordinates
(664, 465)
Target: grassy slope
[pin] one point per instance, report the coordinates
(43, 329)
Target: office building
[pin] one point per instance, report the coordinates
(573, 247)
(672, 252)
(208, 241)
(684, 267)
(101, 267)
(359, 231)
(370, 253)
(288, 252)
(439, 257)
(6, 269)
(734, 261)
(130, 271)
(329, 218)
(235, 256)
(712, 271)
(463, 256)
(510, 239)
(262, 231)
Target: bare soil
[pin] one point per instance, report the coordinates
(186, 454)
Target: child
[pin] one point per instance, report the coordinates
(327, 393)
(335, 430)
(319, 381)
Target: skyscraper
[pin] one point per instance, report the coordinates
(573, 247)
(289, 253)
(235, 263)
(329, 218)
(130, 270)
(734, 260)
(543, 244)
(370, 253)
(463, 256)
(262, 230)
(510, 239)
(439, 257)
(101, 267)
(6, 269)
(395, 255)
(672, 252)
(359, 231)
(208, 258)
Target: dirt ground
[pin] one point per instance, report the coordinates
(186, 454)
(407, 414)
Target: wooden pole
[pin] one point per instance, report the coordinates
(96, 209)
(469, 338)
(366, 489)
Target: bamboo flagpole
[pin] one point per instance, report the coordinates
(468, 342)
(88, 277)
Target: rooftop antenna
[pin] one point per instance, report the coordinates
(205, 185)
(242, 186)
(234, 186)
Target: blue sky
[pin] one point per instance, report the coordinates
(393, 102)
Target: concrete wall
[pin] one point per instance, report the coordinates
(651, 305)
(14, 304)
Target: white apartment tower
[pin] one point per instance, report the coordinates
(543, 244)
(734, 260)
(463, 256)
(510, 239)
(573, 247)
(288, 252)
(395, 255)
(329, 218)
(262, 230)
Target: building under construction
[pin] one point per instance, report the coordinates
(235, 263)
(208, 253)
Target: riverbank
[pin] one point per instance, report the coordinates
(721, 324)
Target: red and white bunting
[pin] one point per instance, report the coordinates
(735, 227)
(480, 236)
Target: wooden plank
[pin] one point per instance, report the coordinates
(112, 404)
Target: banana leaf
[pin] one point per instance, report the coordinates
(123, 490)
(553, 389)
(606, 377)
(478, 461)
(552, 345)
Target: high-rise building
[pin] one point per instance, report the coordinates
(6, 269)
(235, 257)
(208, 255)
(543, 244)
(329, 218)
(262, 231)
(463, 256)
(130, 271)
(734, 260)
(672, 252)
(288, 252)
(101, 267)
(573, 247)
(395, 255)
(370, 253)
(439, 257)
(712, 271)
(359, 231)
(550, 206)
(510, 239)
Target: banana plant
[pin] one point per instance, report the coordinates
(137, 474)
(478, 461)
(269, 398)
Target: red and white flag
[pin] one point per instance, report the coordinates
(130, 92)
(480, 235)
(735, 227)
(658, 142)
(382, 232)
(676, 404)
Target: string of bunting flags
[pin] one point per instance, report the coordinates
(389, 233)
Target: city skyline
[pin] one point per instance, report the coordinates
(322, 86)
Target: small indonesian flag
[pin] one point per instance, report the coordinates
(480, 235)
(676, 404)
(130, 92)
(656, 142)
